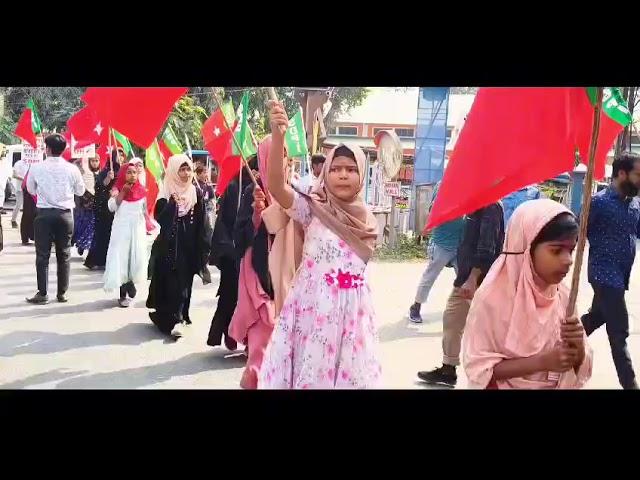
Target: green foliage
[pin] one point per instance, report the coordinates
(54, 104)
(407, 249)
(187, 118)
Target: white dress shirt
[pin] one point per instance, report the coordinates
(55, 181)
(20, 169)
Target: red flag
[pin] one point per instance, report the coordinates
(513, 137)
(86, 127)
(216, 136)
(24, 129)
(138, 113)
(166, 153)
(227, 172)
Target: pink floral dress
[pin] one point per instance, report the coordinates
(326, 335)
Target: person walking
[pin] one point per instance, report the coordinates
(54, 181)
(480, 246)
(441, 251)
(19, 170)
(612, 232)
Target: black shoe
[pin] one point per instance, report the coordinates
(38, 299)
(25, 243)
(131, 290)
(62, 298)
(80, 251)
(14, 224)
(414, 313)
(187, 320)
(443, 375)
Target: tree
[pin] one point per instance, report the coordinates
(55, 104)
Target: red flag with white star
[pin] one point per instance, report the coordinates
(86, 127)
(216, 136)
(136, 112)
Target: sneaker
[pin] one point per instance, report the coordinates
(38, 299)
(62, 298)
(124, 302)
(445, 375)
(414, 313)
(178, 330)
(14, 224)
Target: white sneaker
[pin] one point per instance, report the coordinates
(178, 330)
(124, 302)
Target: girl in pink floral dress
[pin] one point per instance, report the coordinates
(325, 336)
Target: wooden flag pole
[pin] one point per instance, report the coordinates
(586, 205)
(110, 151)
(233, 137)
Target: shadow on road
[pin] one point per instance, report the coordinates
(405, 329)
(40, 378)
(38, 343)
(38, 311)
(140, 377)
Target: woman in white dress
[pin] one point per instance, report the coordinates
(127, 255)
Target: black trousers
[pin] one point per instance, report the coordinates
(609, 308)
(53, 226)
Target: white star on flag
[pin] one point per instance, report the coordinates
(98, 129)
(216, 132)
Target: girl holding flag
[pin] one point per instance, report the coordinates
(517, 334)
(325, 336)
(127, 254)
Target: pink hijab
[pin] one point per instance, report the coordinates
(510, 316)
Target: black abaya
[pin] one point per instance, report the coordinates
(180, 251)
(28, 216)
(223, 256)
(97, 256)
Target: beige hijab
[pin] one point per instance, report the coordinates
(186, 191)
(350, 220)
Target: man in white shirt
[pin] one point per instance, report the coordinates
(308, 182)
(19, 170)
(55, 182)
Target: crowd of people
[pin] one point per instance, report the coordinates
(293, 254)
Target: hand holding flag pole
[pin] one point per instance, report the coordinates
(233, 137)
(271, 92)
(586, 205)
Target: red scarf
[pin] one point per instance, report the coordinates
(137, 191)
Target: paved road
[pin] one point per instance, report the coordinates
(91, 343)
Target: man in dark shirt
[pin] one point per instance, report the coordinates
(612, 232)
(481, 244)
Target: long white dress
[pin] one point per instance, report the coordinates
(127, 254)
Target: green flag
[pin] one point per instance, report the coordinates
(243, 131)
(153, 161)
(228, 112)
(171, 140)
(295, 137)
(124, 141)
(36, 124)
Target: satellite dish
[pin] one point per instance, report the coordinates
(389, 152)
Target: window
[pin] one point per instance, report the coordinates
(16, 157)
(378, 130)
(352, 131)
(405, 132)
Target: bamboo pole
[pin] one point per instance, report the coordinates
(586, 205)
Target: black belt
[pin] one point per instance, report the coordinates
(66, 210)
